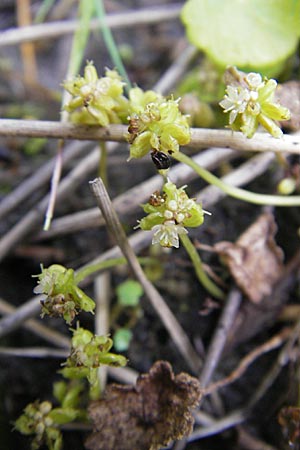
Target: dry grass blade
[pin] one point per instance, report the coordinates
(172, 325)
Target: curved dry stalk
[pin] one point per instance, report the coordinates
(219, 338)
(175, 330)
(34, 352)
(102, 297)
(36, 214)
(273, 343)
(200, 137)
(39, 178)
(56, 29)
(46, 333)
(126, 203)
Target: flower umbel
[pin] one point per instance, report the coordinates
(169, 213)
(36, 420)
(155, 124)
(96, 101)
(63, 297)
(250, 102)
(88, 352)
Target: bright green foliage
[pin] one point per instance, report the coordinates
(169, 213)
(96, 101)
(256, 35)
(89, 352)
(63, 297)
(129, 293)
(159, 125)
(122, 339)
(251, 103)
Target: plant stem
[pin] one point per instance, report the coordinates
(206, 282)
(110, 43)
(241, 194)
(81, 274)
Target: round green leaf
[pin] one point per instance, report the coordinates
(122, 338)
(249, 34)
(129, 293)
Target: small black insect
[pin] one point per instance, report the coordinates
(160, 159)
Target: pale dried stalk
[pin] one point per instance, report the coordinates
(273, 343)
(132, 199)
(200, 137)
(175, 330)
(56, 29)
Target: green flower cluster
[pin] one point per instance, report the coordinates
(252, 103)
(169, 213)
(36, 420)
(63, 297)
(155, 124)
(88, 352)
(96, 101)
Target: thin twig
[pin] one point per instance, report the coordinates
(102, 296)
(126, 203)
(56, 29)
(34, 352)
(27, 48)
(172, 325)
(200, 137)
(36, 214)
(218, 340)
(22, 313)
(273, 343)
(44, 332)
(39, 178)
(240, 415)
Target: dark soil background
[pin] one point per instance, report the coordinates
(23, 380)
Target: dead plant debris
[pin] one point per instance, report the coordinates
(146, 416)
(255, 261)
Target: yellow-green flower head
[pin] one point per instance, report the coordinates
(88, 352)
(156, 125)
(169, 213)
(252, 103)
(37, 420)
(96, 100)
(63, 298)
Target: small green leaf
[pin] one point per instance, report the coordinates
(61, 416)
(255, 34)
(129, 293)
(122, 338)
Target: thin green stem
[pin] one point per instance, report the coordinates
(110, 44)
(206, 282)
(83, 273)
(241, 194)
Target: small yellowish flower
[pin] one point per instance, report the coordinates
(167, 234)
(96, 100)
(156, 126)
(251, 103)
(169, 213)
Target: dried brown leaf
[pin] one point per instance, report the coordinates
(289, 419)
(146, 416)
(255, 260)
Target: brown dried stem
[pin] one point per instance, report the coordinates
(172, 325)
